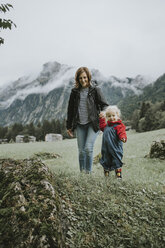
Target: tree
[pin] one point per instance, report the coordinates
(16, 129)
(135, 119)
(4, 23)
(163, 106)
(26, 138)
(58, 127)
(3, 132)
(46, 127)
(144, 108)
(39, 134)
(31, 129)
(53, 126)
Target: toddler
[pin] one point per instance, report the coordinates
(113, 135)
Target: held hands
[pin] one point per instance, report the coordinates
(69, 132)
(102, 115)
(123, 140)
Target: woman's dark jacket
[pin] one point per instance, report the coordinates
(96, 103)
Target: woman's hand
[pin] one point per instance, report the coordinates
(69, 132)
(102, 115)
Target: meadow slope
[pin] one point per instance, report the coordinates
(105, 212)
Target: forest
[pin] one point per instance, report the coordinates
(150, 116)
(39, 131)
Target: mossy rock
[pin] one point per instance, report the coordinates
(157, 149)
(31, 213)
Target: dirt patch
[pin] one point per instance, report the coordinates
(46, 155)
(96, 159)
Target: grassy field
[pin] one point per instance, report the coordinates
(105, 212)
(136, 169)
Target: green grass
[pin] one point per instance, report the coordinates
(137, 169)
(105, 212)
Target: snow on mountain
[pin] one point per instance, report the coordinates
(134, 84)
(54, 75)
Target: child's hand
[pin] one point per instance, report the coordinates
(123, 140)
(102, 115)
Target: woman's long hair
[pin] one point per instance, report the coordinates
(78, 73)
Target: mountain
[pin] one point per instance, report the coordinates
(45, 96)
(154, 92)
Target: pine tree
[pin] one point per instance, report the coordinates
(31, 129)
(46, 127)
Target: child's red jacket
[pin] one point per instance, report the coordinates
(119, 127)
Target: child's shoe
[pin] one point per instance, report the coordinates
(118, 173)
(106, 173)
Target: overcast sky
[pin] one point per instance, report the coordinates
(118, 37)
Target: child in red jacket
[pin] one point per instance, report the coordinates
(112, 144)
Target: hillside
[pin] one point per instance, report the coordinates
(103, 212)
(153, 92)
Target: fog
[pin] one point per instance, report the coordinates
(117, 37)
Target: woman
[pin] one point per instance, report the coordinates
(85, 103)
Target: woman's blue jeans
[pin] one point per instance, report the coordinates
(86, 137)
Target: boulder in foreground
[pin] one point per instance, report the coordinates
(30, 208)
